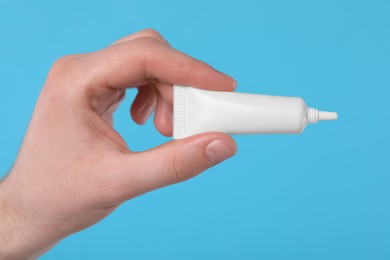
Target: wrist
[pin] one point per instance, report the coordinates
(7, 239)
(16, 234)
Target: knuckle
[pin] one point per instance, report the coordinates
(147, 42)
(61, 66)
(149, 32)
(57, 89)
(172, 169)
(64, 73)
(200, 65)
(65, 59)
(60, 62)
(67, 62)
(185, 68)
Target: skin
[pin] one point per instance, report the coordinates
(74, 169)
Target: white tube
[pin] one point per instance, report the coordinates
(197, 111)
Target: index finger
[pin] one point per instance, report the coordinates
(142, 60)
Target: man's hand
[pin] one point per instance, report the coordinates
(74, 169)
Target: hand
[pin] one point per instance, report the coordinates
(73, 168)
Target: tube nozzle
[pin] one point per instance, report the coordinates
(313, 115)
(324, 115)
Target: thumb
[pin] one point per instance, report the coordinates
(174, 162)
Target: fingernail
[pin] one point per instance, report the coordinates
(146, 112)
(234, 84)
(219, 150)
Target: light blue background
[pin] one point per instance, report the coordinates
(324, 194)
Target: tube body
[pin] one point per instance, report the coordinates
(197, 111)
